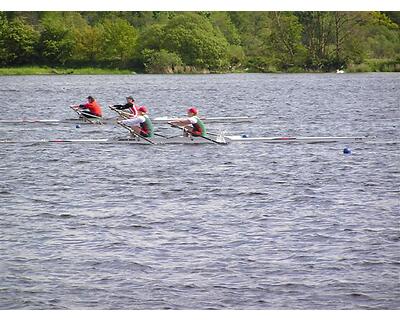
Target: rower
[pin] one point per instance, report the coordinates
(192, 124)
(141, 124)
(130, 105)
(91, 109)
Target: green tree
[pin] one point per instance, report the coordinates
(88, 42)
(119, 41)
(236, 56)
(154, 41)
(394, 16)
(161, 61)
(18, 42)
(56, 40)
(223, 22)
(151, 37)
(193, 38)
(382, 36)
(285, 39)
(254, 29)
(317, 35)
(3, 35)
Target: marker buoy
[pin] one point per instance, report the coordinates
(78, 126)
(346, 151)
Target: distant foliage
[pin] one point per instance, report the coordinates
(18, 42)
(285, 40)
(161, 61)
(118, 41)
(56, 40)
(165, 42)
(194, 39)
(88, 45)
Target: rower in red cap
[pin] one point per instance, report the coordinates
(192, 123)
(91, 109)
(141, 124)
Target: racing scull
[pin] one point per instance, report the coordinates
(192, 140)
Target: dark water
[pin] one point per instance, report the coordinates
(243, 226)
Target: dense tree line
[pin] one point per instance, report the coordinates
(158, 42)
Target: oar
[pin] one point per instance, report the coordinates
(98, 119)
(207, 138)
(126, 116)
(134, 133)
(123, 114)
(216, 134)
(82, 115)
(160, 135)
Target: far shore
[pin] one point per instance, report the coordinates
(25, 71)
(368, 66)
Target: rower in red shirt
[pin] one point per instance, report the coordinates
(91, 109)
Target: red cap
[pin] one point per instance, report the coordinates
(192, 110)
(142, 109)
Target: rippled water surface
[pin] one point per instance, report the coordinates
(242, 226)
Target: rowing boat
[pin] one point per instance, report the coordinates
(156, 120)
(208, 119)
(193, 140)
(245, 138)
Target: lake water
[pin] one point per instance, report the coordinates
(242, 226)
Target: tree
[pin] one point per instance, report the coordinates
(254, 30)
(193, 38)
(217, 41)
(318, 32)
(236, 56)
(382, 36)
(286, 39)
(161, 61)
(119, 41)
(18, 41)
(222, 21)
(394, 16)
(3, 35)
(56, 40)
(151, 37)
(88, 42)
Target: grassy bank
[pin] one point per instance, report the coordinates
(376, 65)
(370, 65)
(57, 71)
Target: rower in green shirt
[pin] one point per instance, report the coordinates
(141, 124)
(192, 123)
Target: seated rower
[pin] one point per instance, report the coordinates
(130, 105)
(192, 124)
(91, 109)
(141, 124)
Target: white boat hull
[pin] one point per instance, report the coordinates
(193, 140)
(291, 139)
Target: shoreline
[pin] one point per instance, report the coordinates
(43, 70)
(37, 71)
